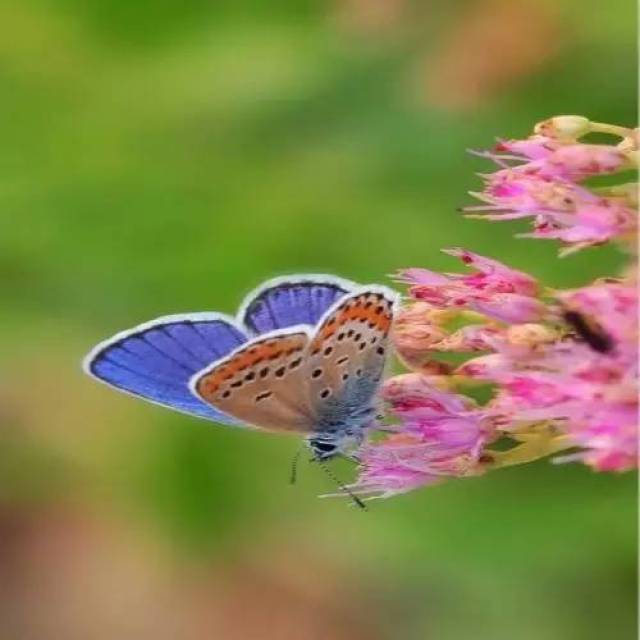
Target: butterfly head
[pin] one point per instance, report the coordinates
(326, 446)
(322, 448)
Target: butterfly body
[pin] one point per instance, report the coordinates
(305, 355)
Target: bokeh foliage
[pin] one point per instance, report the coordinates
(160, 157)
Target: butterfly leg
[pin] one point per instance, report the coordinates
(294, 467)
(355, 500)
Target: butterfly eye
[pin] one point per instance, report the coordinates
(264, 372)
(380, 351)
(324, 447)
(279, 372)
(325, 393)
(263, 396)
(295, 363)
(316, 373)
(345, 376)
(328, 351)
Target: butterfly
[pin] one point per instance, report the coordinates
(304, 355)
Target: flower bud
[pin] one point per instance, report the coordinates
(475, 337)
(414, 334)
(530, 335)
(414, 342)
(564, 127)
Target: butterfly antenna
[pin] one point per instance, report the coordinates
(294, 466)
(343, 487)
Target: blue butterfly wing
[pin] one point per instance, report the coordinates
(156, 360)
(286, 302)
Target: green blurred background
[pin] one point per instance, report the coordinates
(159, 157)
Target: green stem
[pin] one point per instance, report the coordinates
(613, 129)
(535, 442)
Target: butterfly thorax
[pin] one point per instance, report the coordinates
(332, 436)
(325, 446)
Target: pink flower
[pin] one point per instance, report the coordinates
(582, 379)
(534, 148)
(608, 434)
(614, 305)
(440, 434)
(484, 367)
(586, 384)
(603, 425)
(395, 465)
(577, 162)
(591, 224)
(517, 343)
(547, 158)
(560, 368)
(544, 182)
(473, 337)
(512, 194)
(493, 289)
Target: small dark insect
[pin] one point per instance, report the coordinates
(592, 333)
